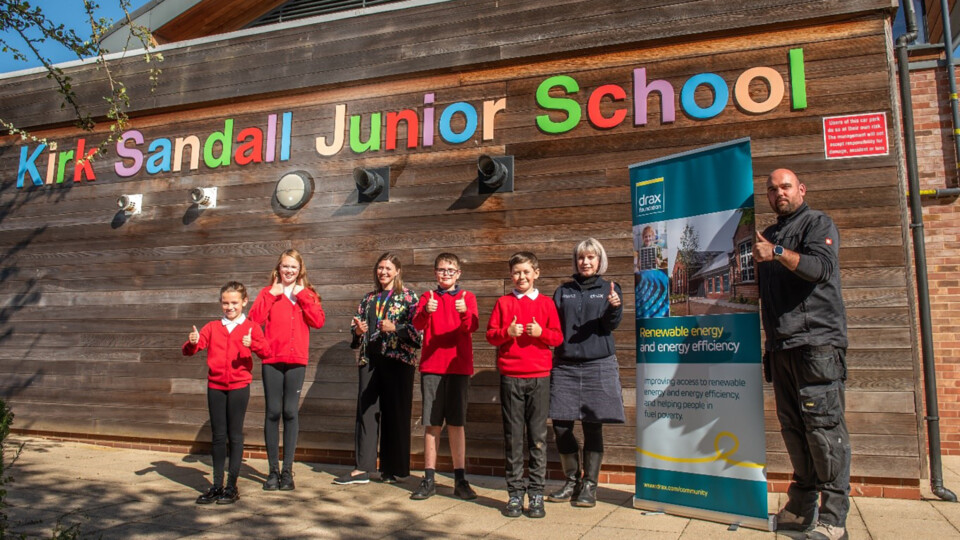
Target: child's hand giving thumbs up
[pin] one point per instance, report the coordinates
(194, 336)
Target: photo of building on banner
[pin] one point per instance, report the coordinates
(701, 450)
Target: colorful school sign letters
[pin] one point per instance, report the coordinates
(701, 450)
(561, 105)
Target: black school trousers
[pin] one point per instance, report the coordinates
(227, 411)
(524, 405)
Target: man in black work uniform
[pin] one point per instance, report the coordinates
(806, 339)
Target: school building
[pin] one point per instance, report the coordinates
(268, 107)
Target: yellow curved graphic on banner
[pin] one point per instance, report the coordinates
(721, 455)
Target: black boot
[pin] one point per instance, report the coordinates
(571, 473)
(591, 474)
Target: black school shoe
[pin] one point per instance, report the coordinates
(286, 480)
(273, 481)
(229, 495)
(211, 495)
(463, 490)
(426, 489)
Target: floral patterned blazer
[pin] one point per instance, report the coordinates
(397, 306)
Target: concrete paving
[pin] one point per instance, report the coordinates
(119, 493)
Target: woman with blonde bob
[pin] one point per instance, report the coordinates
(585, 379)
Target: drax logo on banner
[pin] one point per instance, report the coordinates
(649, 197)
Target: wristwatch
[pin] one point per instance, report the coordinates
(777, 251)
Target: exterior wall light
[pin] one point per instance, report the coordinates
(204, 197)
(130, 204)
(373, 185)
(294, 190)
(495, 174)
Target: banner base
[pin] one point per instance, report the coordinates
(707, 515)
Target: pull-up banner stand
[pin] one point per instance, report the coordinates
(701, 449)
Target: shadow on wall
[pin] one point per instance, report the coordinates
(19, 288)
(331, 399)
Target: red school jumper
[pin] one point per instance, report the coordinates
(447, 344)
(524, 356)
(287, 324)
(229, 363)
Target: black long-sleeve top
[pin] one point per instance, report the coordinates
(805, 306)
(587, 319)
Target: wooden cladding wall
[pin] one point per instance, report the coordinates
(432, 38)
(95, 308)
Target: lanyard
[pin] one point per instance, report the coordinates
(380, 308)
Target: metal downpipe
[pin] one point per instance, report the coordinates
(951, 76)
(920, 258)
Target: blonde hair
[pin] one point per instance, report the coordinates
(591, 245)
(295, 255)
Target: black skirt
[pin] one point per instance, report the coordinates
(586, 390)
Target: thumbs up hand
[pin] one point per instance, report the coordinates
(613, 298)
(515, 330)
(277, 288)
(432, 303)
(247, 339)
(298, 287)
(762, 249)
(359, 326)
(194, 336)
(534, 328)
(461, 305)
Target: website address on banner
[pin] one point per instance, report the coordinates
(677, 489)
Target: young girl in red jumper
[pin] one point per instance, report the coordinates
(229, 362)
(288, 308)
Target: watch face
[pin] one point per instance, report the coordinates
(777, 251)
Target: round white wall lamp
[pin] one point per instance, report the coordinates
(294, 190)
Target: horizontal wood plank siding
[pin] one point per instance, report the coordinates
(94, 308)
(439, 37)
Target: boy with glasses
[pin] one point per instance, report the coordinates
(447, 317)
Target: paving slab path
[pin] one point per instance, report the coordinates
(123, 493)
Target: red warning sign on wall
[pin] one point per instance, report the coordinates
(855, 135)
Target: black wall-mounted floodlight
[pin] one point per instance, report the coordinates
(373, 185)
(495, 174)
(294, 190)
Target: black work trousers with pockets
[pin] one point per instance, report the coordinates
(808, 384)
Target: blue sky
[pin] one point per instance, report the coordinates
(71, 14)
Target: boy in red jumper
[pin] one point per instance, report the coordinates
(523, 326)
(447, 317)
(229, 364)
